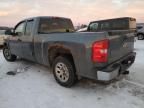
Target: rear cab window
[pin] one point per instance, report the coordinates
(51, 25)
(93, 26)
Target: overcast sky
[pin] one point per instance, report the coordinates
(80, 11)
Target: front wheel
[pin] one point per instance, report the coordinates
(7, 54)
(64, 71)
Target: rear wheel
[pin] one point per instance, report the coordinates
(64, 71)
(7, 54)
(140, 37)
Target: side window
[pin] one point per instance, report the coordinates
(29, 27)
(20, 28)
(105, 26)
(119, 24)
(139, 27)
(93, 26)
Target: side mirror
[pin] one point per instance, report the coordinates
(12, 33)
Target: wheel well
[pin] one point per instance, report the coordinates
(57, 51)
(5, 44)
(140, 33)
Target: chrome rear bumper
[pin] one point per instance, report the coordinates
(115, 69)
(107, 76)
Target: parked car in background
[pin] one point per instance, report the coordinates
(140, 31)
(82, 29)
(52, 41)
(3, 30)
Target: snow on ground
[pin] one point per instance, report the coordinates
(137, 70)
(35, 87)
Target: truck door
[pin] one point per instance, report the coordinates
(27, 41)
(15, 41)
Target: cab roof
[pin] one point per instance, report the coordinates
(45, 17)
(121, 18)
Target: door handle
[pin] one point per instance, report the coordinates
(19, 40)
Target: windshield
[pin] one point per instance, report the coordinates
(50, 25)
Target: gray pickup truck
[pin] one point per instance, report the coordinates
(52, 41)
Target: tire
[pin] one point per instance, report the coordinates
(64, 72)
(7, 54)
(140, 37)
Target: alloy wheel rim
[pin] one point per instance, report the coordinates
(140, 36)
(7, 53)
(62, 72)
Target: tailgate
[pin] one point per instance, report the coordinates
(121, 44)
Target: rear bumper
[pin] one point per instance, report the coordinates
(107, 76)
(115, 69)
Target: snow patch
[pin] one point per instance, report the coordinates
(34, 86)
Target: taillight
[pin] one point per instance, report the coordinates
(100, 51)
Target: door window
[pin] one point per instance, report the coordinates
(19, 30)
(29, 27)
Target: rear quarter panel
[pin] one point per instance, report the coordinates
(79, 45)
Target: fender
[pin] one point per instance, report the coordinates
(75, 49)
